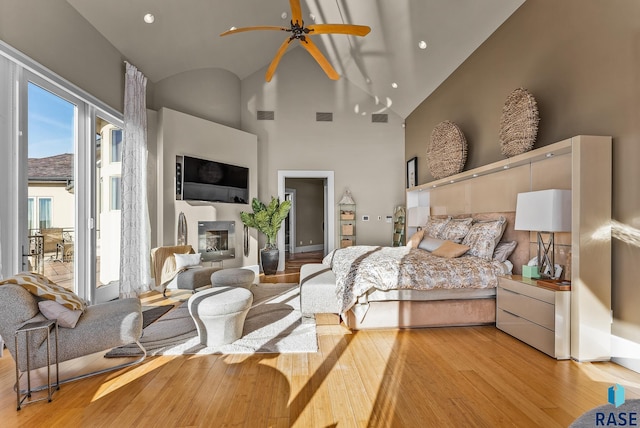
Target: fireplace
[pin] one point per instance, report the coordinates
(216, 240)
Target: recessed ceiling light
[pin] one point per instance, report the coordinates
(394, 85)
(149, 18)
(422, 44)
(313, 17)
(283, 15)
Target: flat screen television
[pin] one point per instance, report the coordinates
(207, 180)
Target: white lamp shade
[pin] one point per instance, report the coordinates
(544, 211)
(417, 216)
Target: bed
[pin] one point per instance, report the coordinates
(400, 287)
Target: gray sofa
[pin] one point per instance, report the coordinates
(100, 327)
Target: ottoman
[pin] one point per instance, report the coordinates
(219, 314)
(318, 289)
(236, 277)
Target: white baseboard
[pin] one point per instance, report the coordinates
(625, 353)
(309, 248)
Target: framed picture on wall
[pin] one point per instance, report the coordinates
(412, 172)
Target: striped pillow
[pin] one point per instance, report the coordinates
(41, 286)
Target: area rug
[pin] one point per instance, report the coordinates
(274, 324)
(152, 313)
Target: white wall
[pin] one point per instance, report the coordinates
(367, 158)
(62, 203)
(182, 134)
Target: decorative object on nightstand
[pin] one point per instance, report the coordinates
(347, 220)
(447, 152)
(544, 211)
(518, 123)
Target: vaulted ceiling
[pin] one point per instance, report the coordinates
(185, 36)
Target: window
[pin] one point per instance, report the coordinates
(115, 193)
(44, 213)
(31, 215)
(116, 145)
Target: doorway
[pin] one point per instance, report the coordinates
(328, 221)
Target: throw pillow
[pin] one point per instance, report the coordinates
(483, 237)
(450, 250)
(55, 311)
(504, 250)
(456, 229)
(415, 239)
(187, 260)
(430, 244)
(43, 287)
(435, 225)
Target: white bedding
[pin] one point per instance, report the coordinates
(362, 269)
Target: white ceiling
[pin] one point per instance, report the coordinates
(185, 36)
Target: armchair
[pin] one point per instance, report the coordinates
(168, 275)
(58, 241)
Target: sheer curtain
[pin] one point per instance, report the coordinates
(135, 246)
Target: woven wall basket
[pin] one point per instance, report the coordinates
(447, 153)
(519, 123)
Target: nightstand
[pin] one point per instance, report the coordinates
(538, 315)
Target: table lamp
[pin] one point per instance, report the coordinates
(544, 211)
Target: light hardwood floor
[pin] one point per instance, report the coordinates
(466, 376)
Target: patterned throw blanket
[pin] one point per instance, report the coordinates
(361, 268)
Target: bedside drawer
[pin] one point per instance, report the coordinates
(534, 310)
(528, 332)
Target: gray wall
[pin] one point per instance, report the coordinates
(309, 210)
(580, 59)
(54, 34)
(209, 93)
(367, 158)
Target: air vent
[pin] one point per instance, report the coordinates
(379, 118)
(324, 117)
(266, 115)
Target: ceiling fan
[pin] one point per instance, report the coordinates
(300, 32)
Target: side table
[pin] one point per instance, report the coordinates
(27, 328)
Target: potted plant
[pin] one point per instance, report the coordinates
(268, 220)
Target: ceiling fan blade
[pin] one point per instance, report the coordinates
(276, 59)
(296, 12)
(356, 30)
(317, 55)
(243, 29)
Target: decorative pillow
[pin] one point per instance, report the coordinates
(55, 311)
(483, 237)
(41, 286)
(430, 244)
(450, 250)
(435, 225)
(415, 239)
(186, 260)
(504, 250)
(456, 229)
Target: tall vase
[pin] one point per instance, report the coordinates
(182, 229)
(269, 259)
